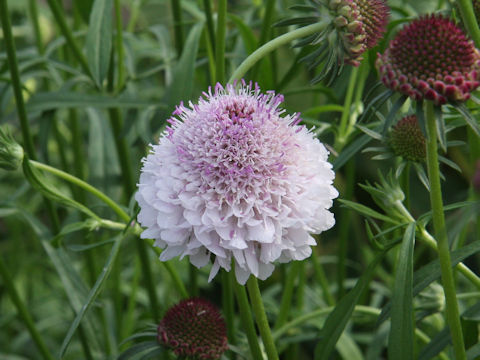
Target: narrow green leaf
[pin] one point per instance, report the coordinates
(441, 132)
(182, 85)
(436, 345)
(76, 226)
(248, 37)
(474, 352)
(400, 341)
(99, 39)
(364, 210)
(392, 113)
(431, 272)
(469, 118)
(94, 292)
(61, 100)
(76, 247)
(348, 349)
(338, 318)
(138, 349)
(73, 285)
(350, 151)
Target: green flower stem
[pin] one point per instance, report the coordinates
(453, 317)
(343, 134)
(270, 46)
(128, 323)
(430, 241)
(461, 267)
(266, 30)
(119, 47)
(207, 9)
(177, 25)
(116, 208)
(16, 84)
(468, 16)
(358, 310)
(246, 319)
(85, 186)
(261, 318)
(23, 312)
(321, 278)
(287, 294)
(17, 90)
(134, 12)
(228, 304)
(344, 235)
(33, 9)
(62, 23)
(220, 41)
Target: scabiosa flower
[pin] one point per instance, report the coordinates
(352, 27)
(407, 139)
(431, 58)
(234, 177)
(194, 328)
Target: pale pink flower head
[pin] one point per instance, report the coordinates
(235, 177)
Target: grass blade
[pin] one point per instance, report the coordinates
(400, 341)
(338, 318)
(99, 39)
(94, 292)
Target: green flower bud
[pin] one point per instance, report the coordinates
(11, 153)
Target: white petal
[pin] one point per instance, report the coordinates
(171, 252)
(252, 261)
(175, 236)
(241, 274)
(200, 259)
(214, 270)
(265, 270)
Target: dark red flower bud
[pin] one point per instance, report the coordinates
(194, 328)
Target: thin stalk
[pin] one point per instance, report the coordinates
(220, 41)
(302, 283)
(261, 318)
(116, 208)
(23, 312)
(345, 218)
(177, 25)
(85, 186)
(119, 47)
(246, 319)
(15, 76)
(207, 9)
(432, 243)
(272, 45)
(453, 317)
(20, 103)
(266, 30)
(343, 134)
(228, 304)
(321, 278)
(287, 295)
(129, 322)
(32, 5)
(134, 12)
(62, 23)
(469, 19)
